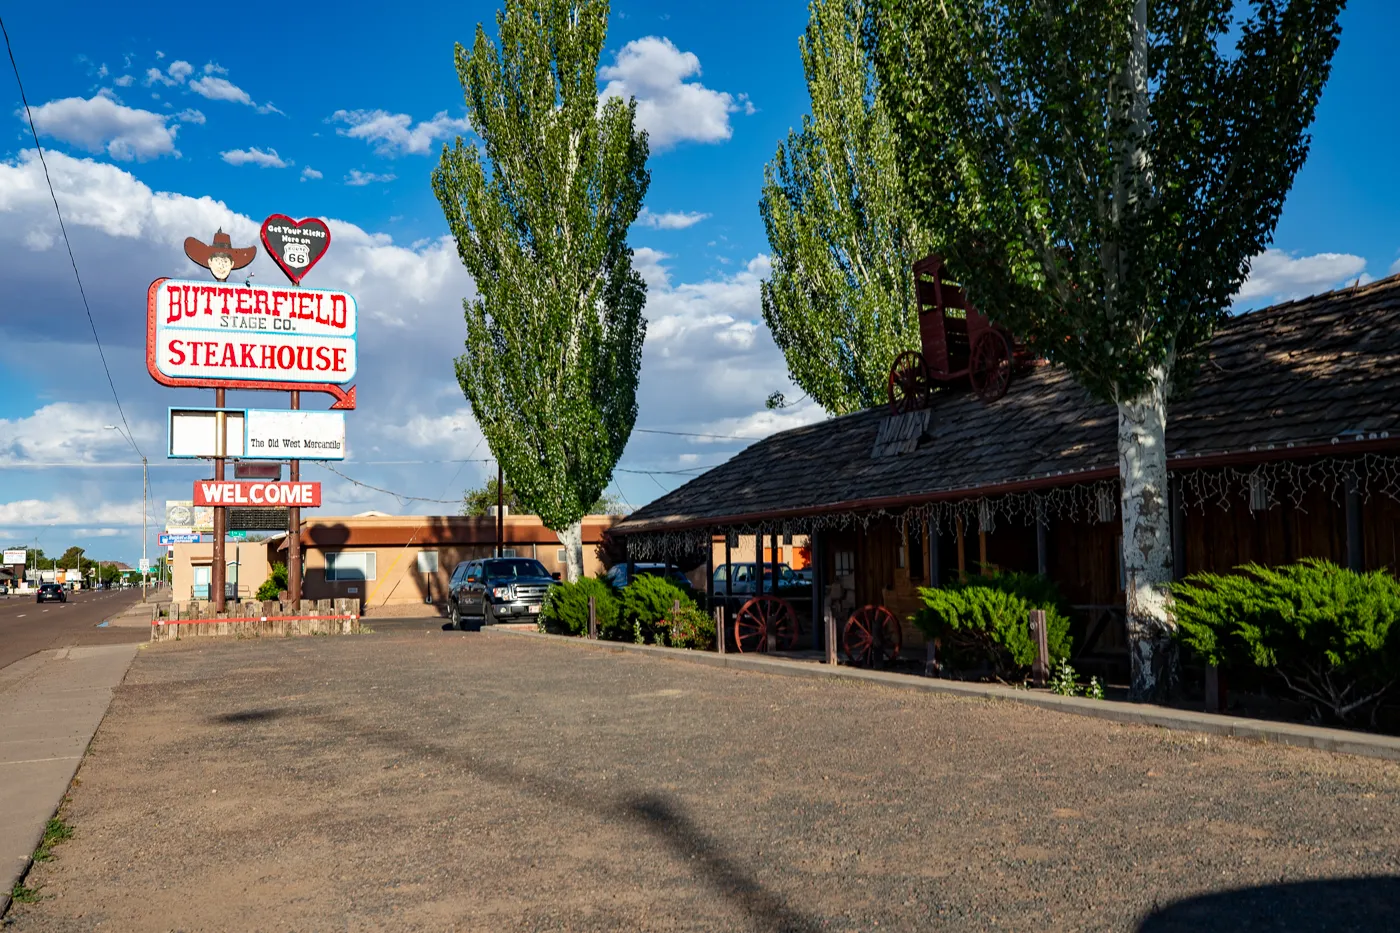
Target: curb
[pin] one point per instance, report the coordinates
(1338, 741)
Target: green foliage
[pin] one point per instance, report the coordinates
(1330, 634)
(840, 302)
(1063, 680)
(691, 628)
(1097, 180)
(275, 583)
(565, 609)
(478, 502)
(1094, 690)
(647, 602)
(540, 203)
(55, 831)
(985, 620)
(21, 893)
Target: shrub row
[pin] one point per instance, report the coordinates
(640, 613)
(981, 623)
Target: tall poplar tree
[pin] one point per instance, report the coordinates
(540, 211)
(1100, 174)
(840, 302)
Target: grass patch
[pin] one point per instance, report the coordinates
(23, 894)
(55, 832)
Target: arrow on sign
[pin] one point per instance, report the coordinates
(344, 398)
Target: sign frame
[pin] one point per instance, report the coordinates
(344, 397)
(11, 552)
(255, 493)
(248, 416)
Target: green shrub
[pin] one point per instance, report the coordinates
(1329, 634)
(275, 583)
(565, 609)
(646, 601)
(985, 620)
(691, 628)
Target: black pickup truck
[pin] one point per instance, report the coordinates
(497, 589)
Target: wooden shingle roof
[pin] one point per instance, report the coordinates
(1283, 381)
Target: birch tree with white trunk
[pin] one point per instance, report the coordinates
(1099, 175)
(540, 203)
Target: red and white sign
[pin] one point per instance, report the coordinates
(213, 334)
(254, 493)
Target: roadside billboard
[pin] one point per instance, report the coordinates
(15, 557)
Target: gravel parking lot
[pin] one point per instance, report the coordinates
(416, 779)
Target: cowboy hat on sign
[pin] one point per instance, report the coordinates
(219, 257)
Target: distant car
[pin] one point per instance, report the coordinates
(499, 589)
(49, 592)
(618, 579)
(790, 582)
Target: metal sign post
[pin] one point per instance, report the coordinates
(220, 570)
(294, 528)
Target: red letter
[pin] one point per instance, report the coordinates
(243, 303)
(248, 362)
(260, 302)
(230, 357)
(177, 303)
(286, 357)
(338, 354)
(338, 311)
(177, 356)
(323, 358)
(269, 357)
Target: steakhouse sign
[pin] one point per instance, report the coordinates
(243, 492)
(213, 334)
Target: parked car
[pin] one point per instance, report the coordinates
(497, 589)
(49, 592)
(617, 577)
(790, 582)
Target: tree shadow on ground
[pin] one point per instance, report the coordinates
(661, 818)
(249, 715)
(1353, 905)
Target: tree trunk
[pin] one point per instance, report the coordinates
(1147, 550)
(572, 539)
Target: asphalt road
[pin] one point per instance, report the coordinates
(27, 626)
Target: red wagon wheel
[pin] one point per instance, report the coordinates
(909, 383)
(989, 367)
(858, 640)
(761, 616)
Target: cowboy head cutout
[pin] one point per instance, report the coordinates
(219, 257)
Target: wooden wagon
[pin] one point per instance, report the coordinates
(958, 342)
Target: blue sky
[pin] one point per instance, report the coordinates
(186, 117)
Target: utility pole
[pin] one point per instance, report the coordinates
(500, 508)
(145, 494)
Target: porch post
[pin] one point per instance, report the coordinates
(1178, 519)
(710, 570)
(931, 536)
(773, 539)
(1042, 544)
(815, 543)
(1356, 551)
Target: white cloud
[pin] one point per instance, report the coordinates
(220, 89)
(670, 108)
(190, 116)
(68, 511)
(124, 81)
(395, 133)
(213, 68)
(255, 156)
(672, 220)
(179, 71)
(99, 124)
(66, 432)
(310, 174)
(1276, 274)
(357, 178)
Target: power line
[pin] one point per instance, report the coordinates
(29, 116)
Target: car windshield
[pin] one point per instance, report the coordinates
(514, 567)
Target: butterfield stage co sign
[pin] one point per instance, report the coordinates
(213, 335)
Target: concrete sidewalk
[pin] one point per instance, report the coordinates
(51, 703)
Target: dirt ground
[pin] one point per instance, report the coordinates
(417, 779)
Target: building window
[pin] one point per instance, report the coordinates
(350, 565)
(561, 556)
(916, 551)
(845, 562)
(427, 561)
(507, 552)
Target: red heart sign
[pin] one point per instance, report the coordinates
(295, 245)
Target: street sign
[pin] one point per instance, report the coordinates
(145, 565)
(295, 245)
(237, 536)
(206, 335)
(258, 432)
(170, 539)
(257, 492)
